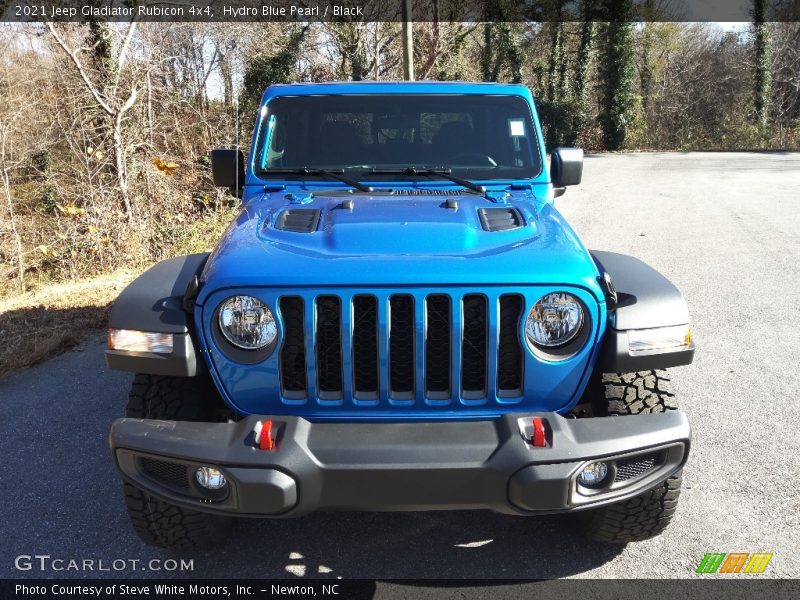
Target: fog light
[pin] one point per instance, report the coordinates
(593, 474)
(210, 478)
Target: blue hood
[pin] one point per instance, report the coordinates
(384, 245)
(397, 240)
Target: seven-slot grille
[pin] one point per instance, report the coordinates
(401, 346)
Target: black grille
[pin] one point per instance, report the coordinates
(509, 349)
(401, 345)
(416, 192)
(298, 220)
(638, 465)
(365, 346)
(165, 472)
(329, 347)
(500, 219)
(473, 345)
(437, 347)
(398, 356)
(293, 353)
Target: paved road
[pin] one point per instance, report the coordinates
(724, 227)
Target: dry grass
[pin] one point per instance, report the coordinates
(46, 322)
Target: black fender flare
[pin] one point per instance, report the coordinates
(645, 300)
(157, 301)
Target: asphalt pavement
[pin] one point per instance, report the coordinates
(724, 227)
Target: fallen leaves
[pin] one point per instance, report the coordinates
(70, 210)
(168, 168)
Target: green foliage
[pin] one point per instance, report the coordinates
(262, 71)
(354, 64)
(49, 198)
(42, 161)
(452, 67)
(557, 66)
(100, 39)
(762, 68)
(616, 73)
(561, 121)
(500, 55)
(654, 86)
(584, 60)
(645, 66)
(42, 165)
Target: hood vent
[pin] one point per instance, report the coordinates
(418, 192)
(298, 220)
(500, 219)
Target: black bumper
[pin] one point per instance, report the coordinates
(400, 466)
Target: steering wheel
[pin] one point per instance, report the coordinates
(482, 158)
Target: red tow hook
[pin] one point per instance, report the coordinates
(263, 435)
(538, 439)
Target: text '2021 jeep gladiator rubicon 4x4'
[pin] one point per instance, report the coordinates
(399, 319)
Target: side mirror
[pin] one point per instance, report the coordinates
(566, 166)
(227, 168)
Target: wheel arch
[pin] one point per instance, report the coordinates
(157, 302)
(645, 299)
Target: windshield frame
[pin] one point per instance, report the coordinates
(262, 134)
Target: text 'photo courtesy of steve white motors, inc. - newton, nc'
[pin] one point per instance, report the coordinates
(199, 11)
(170, 590)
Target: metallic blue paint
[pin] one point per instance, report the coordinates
(391, 244)
(547, 385)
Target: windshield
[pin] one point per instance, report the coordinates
(477, 137)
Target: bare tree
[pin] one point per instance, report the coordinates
(95, 118)
(786, 77)
(114, 104)
(17, 142)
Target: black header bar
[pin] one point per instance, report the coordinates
(243, 11)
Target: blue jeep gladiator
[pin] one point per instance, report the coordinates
(399, 319)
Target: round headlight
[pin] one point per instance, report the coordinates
(247, 323)
(555, 320)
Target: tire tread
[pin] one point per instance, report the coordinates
(648, 514)
(159, 523)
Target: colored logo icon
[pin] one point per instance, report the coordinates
(734, 562)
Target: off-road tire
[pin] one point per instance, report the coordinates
(648, 514)
(160, 523)
(635, 393)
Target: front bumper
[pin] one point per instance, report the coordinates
(400, 466)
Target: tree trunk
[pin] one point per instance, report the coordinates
(110, 106)
(487, 54)
(119, 161)
(582, 76)
(616, 74)
(408, 42)
(554, 72)
(14, 232)
(584, 60)
(762, 75)
(226, 72)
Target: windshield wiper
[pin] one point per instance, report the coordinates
(335, 174)
(440, 172)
